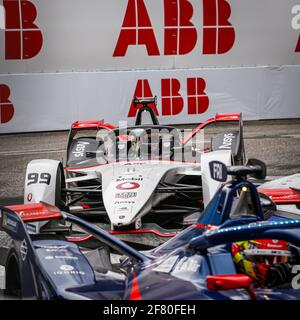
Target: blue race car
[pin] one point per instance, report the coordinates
(70, 258)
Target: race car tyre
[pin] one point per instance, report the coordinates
(13, 279)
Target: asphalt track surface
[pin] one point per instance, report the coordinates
(276, 142)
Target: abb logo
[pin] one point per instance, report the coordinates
(6, 107)
(23, 39)
(172, 102)
(180, 34)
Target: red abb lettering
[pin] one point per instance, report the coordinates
(136, 30)
(298, 45)
(142, 90)
(6, 107)
(198, 101)
(218, 33)
(171, 100)
(180, 33)
(23, 39)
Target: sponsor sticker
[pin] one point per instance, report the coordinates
(218, 171)
(66, 269)
(80, 149)
(29, 197)
(125, 179)
(61, 257)
(126, 195)
(9, 222)
(23, 250)
(32, 228)
(128, 186)
(53, 248)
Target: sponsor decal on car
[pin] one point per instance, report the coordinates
(53, 248)
(61, 257)
(66, 269)
(23, 250)
(125, 179)
(31, 228)
(2, 278)
(80, 149)
(218, 171)
(128, 186)
(124, 202)
(227, 141)
(126, 195)
(9, 222)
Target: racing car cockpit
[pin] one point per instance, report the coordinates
(141, 143)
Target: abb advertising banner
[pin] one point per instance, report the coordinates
(97, 35)
(39, 102)
(64, 60)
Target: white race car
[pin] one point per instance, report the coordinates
(147, 179)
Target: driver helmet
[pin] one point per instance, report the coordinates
(256, 257)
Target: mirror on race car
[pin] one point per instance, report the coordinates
(230, 282)
(261, 167)
(218, 171)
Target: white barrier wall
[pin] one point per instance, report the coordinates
(55, 101)
(64, 60)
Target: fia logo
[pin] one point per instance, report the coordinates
(218, 171)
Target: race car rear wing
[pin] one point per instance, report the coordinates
(219, 117)
(230, 140)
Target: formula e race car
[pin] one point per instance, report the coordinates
(147, 178)
(242, 256)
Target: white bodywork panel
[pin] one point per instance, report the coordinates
(292, 181)
(127, 187)
(39, 188)
(210, 186)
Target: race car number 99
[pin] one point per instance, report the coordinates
(34, 178)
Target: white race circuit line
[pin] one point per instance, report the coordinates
(29, 152)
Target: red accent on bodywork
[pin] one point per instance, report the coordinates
(230, 282)
(204, 226)
(268, 244)
(79, 239)
(135, 291)
(282, 196)
(168, 235)
(36, 212)
(86, 238)
(218, 118)
(92, 124)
